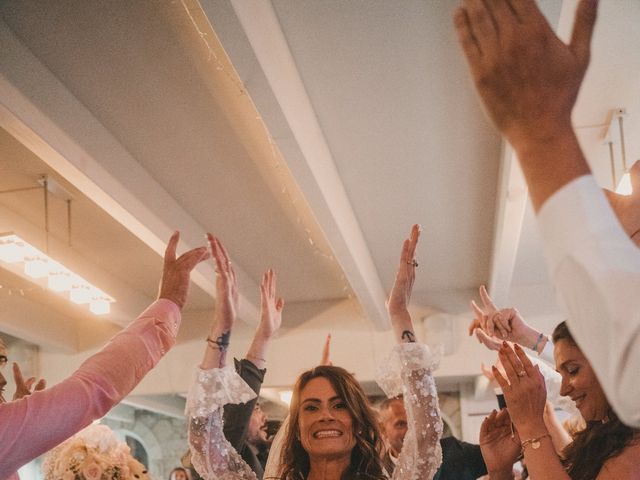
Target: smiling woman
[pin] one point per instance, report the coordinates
(332, 426)
(606, 443)
(331, 432)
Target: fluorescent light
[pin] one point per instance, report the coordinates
(100, 306)
(38, 265)
(80, 294)
(624, 185)
(11, 250)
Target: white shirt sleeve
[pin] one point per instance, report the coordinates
(595, 268)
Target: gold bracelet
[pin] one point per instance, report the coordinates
(534, 442)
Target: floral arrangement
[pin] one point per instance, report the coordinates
(95, 453)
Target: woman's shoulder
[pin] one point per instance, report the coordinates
(625, 466)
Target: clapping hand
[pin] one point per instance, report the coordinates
(227, 296)
(499, 443)
(524, 390)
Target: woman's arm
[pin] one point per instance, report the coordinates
(421, 453)
(525, 394)
(216, 384)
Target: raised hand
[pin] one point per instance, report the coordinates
(326, 352)
(174, 284)
(400, 295)
(488, 317)
(270, 306)
(492, 325)
(627, 207)
(499, 443)
(270, 320)
(398, 302)
(227, 296)
(527, 77)
(24, 387)
(524, 391)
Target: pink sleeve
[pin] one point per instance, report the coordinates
(37, 423)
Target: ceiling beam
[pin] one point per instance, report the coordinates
(46, 117)
(302, 141)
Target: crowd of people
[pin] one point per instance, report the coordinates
(528, 81)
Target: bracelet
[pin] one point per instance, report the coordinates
(535, 345)
(534, 442)
(248, 357)
(634, 233)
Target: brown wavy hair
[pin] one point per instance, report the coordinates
(365, 456)
(597, 442)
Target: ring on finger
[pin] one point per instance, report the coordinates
(413, 263)
(521, 373)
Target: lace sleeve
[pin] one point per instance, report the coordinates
(212, 455)
(408, 371)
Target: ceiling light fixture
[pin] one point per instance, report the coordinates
(57, 278)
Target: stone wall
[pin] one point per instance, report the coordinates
(164, 438)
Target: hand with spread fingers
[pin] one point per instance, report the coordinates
(627, 207)
(527, 77)
(491, 325)
(270, 320)
(499, 443)
(524, 391)
(176, 273)
(398, 302)
(24, 387)
(270, 306)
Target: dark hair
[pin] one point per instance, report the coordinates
(365, 456)
(599, 441)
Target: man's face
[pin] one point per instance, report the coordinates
(394, 425)
(3, 364)
(257, 433)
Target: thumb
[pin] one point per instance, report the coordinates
(585, 20)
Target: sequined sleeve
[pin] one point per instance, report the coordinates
(408, 372)
(213, 457)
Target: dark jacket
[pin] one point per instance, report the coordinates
(236, 416)
(460, 461)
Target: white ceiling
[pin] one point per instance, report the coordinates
(308, 135)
